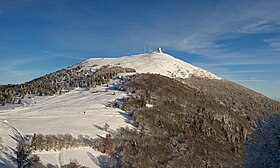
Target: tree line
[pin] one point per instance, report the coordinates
(60, 82)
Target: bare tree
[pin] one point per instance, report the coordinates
(263, 150)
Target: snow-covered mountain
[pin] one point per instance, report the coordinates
(156, 62)
(93, 98)
(79, 100)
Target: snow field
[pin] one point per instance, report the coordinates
(78, 112)
(159, 63)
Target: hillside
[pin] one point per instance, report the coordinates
(186, 125)
(59, 82)
(238, 98)
(78, 112)
(145, 110)
(96, 71)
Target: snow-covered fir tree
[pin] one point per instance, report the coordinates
(263, 150)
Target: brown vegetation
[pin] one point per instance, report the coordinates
(41, 142)
(197, 124)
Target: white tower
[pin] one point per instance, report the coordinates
(159, 50)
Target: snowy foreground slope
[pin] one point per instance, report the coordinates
(62, 114)
(156, 62)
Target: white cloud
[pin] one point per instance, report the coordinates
(15, 75)
(261, 27)
(249, 71)
(274, 43)
(10, 71)
(228, 21)
(73, 56)
(196, 31)
(250, 80)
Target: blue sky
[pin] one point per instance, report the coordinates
(237, 40)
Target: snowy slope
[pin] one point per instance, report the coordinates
(156, 62)
(61, 114)
(7, 134)
(84, 155)
(83, 111)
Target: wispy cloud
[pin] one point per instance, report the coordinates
(14, 75)
(198, 32)
(234, 21)
(11, 70)
(73, 56)
(23, 60)
(261, 27)
(230, 21)
(249, 71)
(250, 80)
(274, 43)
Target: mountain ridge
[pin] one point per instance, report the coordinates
(167, 101)
(155, 62)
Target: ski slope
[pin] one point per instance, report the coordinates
(77, 112)
(156, 62)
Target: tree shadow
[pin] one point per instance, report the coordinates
(15, 137)
(102, 161)
(98, 127)
(7, 161)
(13, 150)
(128, 118)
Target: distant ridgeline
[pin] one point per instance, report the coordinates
(59, 82)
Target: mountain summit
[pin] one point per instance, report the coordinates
(156, 62)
